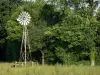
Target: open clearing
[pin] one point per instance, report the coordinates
(6, 69)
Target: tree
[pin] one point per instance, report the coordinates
(77, 31)
(4, 16)
(14, 33)
(35, 28)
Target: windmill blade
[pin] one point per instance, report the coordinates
(24, 18)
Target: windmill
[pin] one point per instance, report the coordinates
(97, 7)
(24, 19)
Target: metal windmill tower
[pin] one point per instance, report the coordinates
(24, 19)
(97, 4)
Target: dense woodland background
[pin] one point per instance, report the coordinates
(63, 35)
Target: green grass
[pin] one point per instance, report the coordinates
(6, 69)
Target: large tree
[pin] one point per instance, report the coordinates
(77, 31)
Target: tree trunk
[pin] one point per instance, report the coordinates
(42, 57)
(92, 63)
(92, 56)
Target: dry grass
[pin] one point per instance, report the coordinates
(6, 69)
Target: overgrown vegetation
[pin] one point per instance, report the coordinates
(48, 70)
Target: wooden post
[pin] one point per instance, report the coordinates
(15, 64)
(32, 63)
(22, 64)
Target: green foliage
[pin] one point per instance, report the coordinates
(4, 16)
(13, 50)
(65, 36)
(14, 30)
(36, 26)
(51, 16)
(76, 2)
(77, 31)
(63, 56)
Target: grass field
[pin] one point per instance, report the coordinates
(6, 69)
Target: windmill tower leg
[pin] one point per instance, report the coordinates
(25, 39)
(21, 50)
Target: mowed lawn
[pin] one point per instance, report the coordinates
(6, 69)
